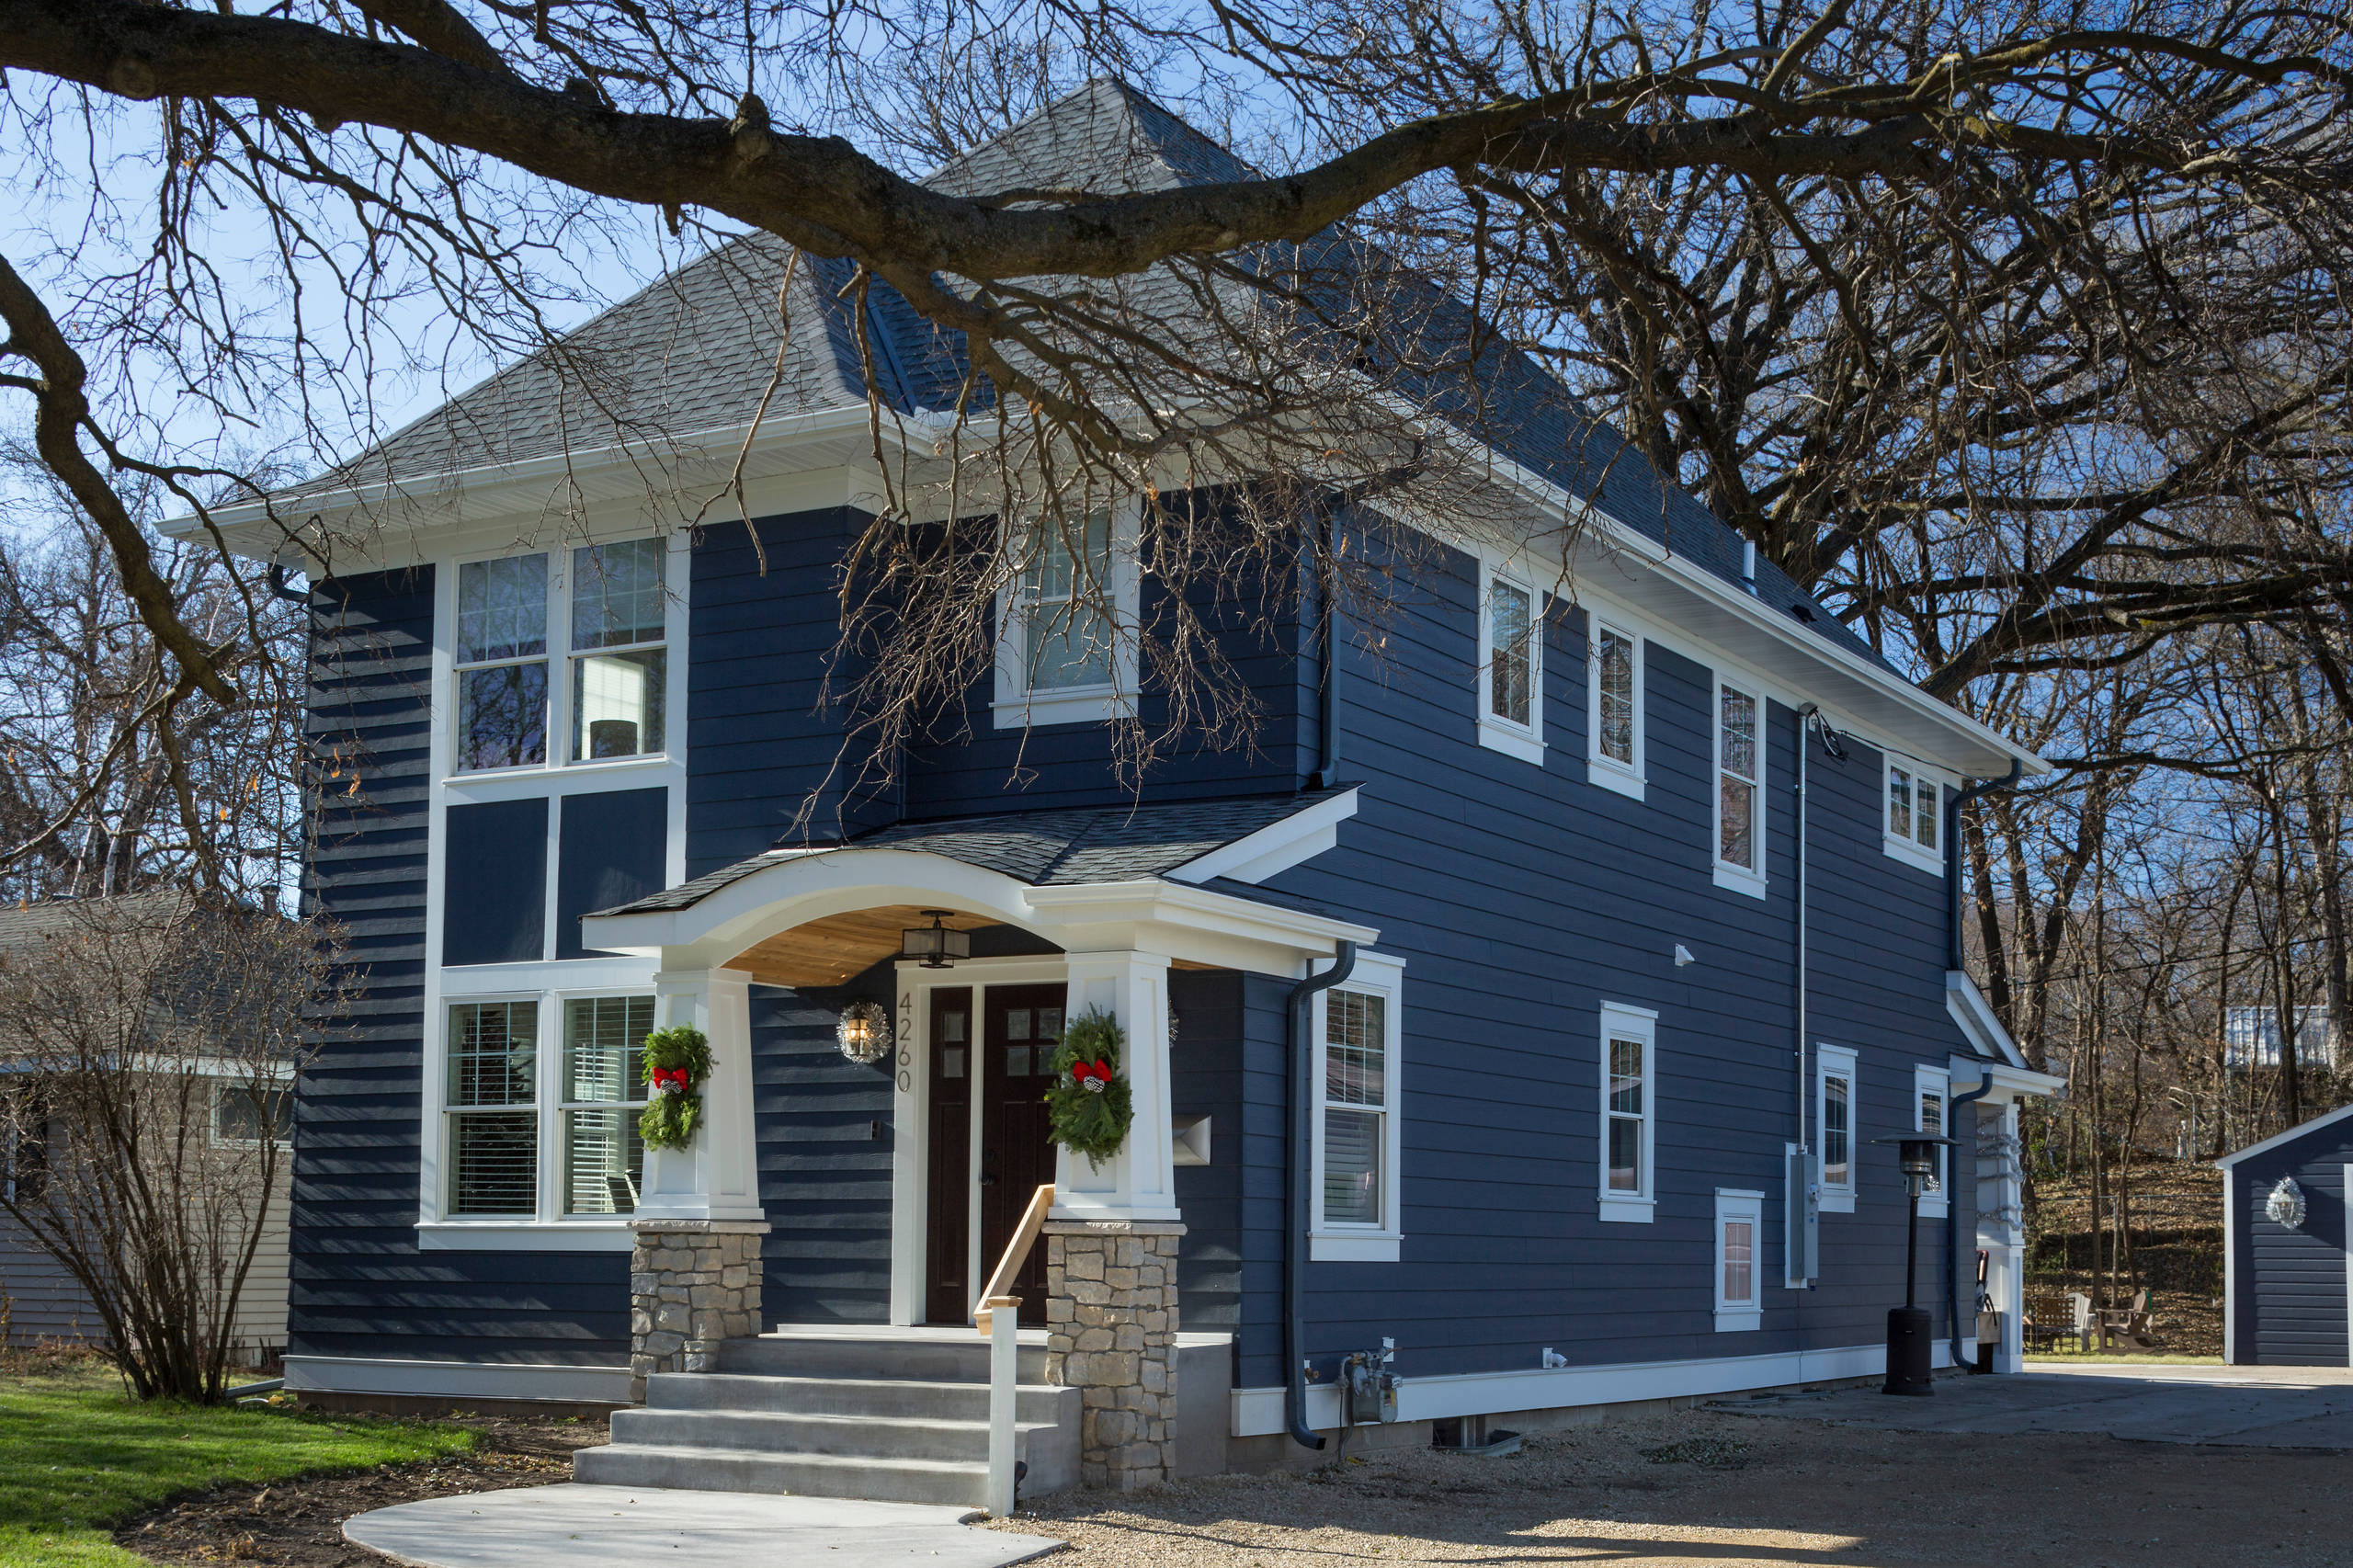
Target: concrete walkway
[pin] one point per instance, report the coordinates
(2262, 1407)
(625, 1526)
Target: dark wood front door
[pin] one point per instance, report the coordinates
(1023, 1025)
(1009, 1071)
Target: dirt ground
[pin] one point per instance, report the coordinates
(1723, 1491)
(300, 1523)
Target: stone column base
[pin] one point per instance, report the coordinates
(692, 1283)
(1112, 1333)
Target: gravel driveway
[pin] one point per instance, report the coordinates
(1723, 1491)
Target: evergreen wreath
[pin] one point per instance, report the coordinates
(677, 1060)
(1088, 1105)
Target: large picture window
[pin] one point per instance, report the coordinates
(1740, 775)
(545, 1131)
(1629, 1099)
(1356, 1127)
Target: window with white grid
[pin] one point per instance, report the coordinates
(1357, 1134)
(1614, 760)
(1740, 795)
(1629, 1099)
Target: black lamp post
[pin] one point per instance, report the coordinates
(1911, 1330)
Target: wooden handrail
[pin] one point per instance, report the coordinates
(1017, 1253)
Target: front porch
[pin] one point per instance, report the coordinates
(1107, 927)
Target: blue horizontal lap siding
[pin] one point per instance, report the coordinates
(359, 1284)
(1523, 897)
(2289, 1302)
(825, 1178)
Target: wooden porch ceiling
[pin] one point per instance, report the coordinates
(830, 951)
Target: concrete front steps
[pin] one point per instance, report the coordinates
(888, 1415)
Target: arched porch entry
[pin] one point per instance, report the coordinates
(971, 1041)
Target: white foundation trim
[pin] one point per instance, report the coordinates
(457, 1380)
(523, 1235)
(1258, 1412)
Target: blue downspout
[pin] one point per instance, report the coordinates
(1303, 1128)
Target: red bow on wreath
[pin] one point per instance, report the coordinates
(670, 1080)
(1091, 1075)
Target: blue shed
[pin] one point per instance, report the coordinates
(2286, 1269)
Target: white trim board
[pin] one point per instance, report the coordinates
(1257, 1412)
(459, 1380)
(1277, 847)
(1979, 1025)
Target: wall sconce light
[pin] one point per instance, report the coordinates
(2285, 1205)
(934, 944)
(864, 1032)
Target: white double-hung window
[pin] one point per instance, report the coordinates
(1066, 643)
(1628, 1111)
(1614, 720)
(1740, 789)
(1740, 1230)
(1834, 1121)
(541, 1107)
(1511, 673)
(1916, 802)
(615, 697)
(1931, 1093)
(1358, 1131)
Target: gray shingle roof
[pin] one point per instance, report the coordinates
(694, 350)
(1049, 848)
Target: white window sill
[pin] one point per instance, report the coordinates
(1739, 1320)
(1912, 854)
(1083, 705)
(1627, 1211)
(1732, 878)
(1614, 776)
(1351, 1247)
(525, 1235)
(1836, 1202)
(1497, 734)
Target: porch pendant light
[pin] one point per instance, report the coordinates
(864, 1032)
(934, 944)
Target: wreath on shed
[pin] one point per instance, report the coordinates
(1088, 1105)
(677, 1060)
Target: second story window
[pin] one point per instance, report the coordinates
(1511, 672)
(619, 665)
(1067, 621)
(1739, 860)
(1915, 803)
(1615, 758)
(502, 647)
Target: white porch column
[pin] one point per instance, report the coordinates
(1140, 1181)
(717, 1176)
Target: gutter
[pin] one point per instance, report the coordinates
(1302, 1129)
(1985, 1078)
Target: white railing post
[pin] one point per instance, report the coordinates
(1004, 1358)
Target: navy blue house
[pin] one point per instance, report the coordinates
(1642, 919)
(2286, 1269)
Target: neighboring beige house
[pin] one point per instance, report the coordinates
(39, 1300)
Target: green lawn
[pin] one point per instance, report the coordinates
(76, 1457)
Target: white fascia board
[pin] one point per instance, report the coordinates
(2276, 1138)
(1879, 697)
(1277, 847)
(496, 489)
(2006, 1082)
(1191, 923)
(1978, 1022)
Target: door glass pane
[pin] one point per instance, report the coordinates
(1016, 1023)
(1050, 1023)
(617, 594)
(951, 1028)
(1352, 1167)
(618, 702)
(502, 609)
(951, 1063)
(1509, 646)
(1017, 1060)
(502, 716)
